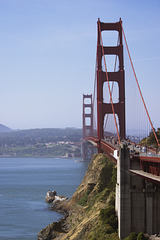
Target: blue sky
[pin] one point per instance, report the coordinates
(48, 51)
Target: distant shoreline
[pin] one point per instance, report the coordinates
(41, 157)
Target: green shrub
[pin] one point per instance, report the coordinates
(109, 229)
(112, 201)
(141, 236)
(82, 201)
(133, 236)
(106, 213)
(106, 174)
(113, 221)
(114, 176)
(108, 216)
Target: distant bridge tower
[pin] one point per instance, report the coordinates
(118, 76)
(87, 148)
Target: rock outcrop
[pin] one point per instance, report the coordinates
(52, 197)
(90, 213)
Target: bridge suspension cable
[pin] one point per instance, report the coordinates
(139, 85)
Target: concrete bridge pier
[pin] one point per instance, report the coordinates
(137, 199)
(123, 198)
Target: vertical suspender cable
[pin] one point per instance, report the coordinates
(139, 86)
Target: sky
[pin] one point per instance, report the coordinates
(48, 54)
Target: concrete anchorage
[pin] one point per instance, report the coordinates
(137, 199)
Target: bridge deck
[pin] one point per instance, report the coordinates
(146, 175)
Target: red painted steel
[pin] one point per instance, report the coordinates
(150, 159)
(108, 149)
(110, 108)
(149, 164)
(111, 100)
(87, 127)
(104, 146)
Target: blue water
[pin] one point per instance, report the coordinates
(24, 183)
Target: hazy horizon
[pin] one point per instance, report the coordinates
(48, 54)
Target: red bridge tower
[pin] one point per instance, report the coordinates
(87, 148)
(118, 76)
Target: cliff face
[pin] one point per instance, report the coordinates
(89, 214)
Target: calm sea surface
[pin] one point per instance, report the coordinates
(24, 183)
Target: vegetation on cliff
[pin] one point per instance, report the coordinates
(150, 140)
(136, 236)
(90, 213)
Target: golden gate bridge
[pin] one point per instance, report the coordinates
(104, 129)
(96, 111)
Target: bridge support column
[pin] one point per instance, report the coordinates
(123, 198)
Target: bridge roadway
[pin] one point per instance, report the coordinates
(148, 158)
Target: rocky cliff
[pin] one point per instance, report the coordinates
(89, 214)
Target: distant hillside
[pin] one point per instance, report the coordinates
(47, 142)
(4, 129)
(44, 135)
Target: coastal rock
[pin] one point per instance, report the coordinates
(50, 232)
(52, 197)
(60, 198)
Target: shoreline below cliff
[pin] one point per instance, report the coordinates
(85, 213)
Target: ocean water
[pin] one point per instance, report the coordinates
(24, 183)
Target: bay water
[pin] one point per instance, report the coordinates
(24, 183)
